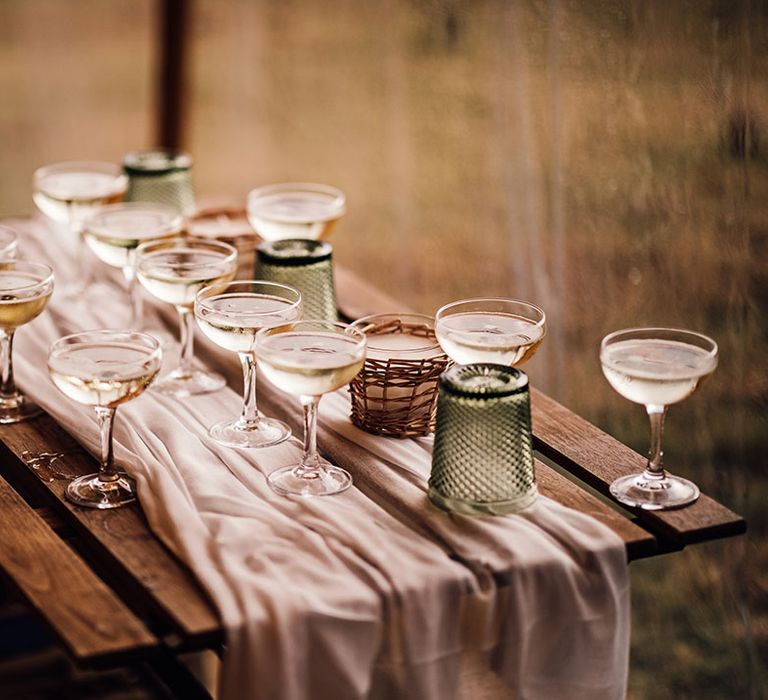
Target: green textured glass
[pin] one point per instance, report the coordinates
(303, 264)
(160, 176)
(482, 460)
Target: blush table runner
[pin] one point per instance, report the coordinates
(373, 593)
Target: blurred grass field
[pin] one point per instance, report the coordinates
(605, 159)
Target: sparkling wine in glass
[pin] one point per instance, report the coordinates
(656, 367)
(295, 210)
(104, 369)
(9, 242)
(309, 359)
(25, 288)
(231, 314)
(115, 232)
(70, 192)
(174, 271)
(500, 331)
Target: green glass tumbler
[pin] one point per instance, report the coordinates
(482, 459)
(306, 265)
(160, 176)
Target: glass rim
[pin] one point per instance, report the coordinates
(175, 219)
(151, 343)
(99, 166)
(337, 197)
(440, 313)
(31, 267)
(165, 244)
(315, 251)
(454, 380)
(341, 328)
(428, 321)
(219, 288)
(141, 162)
(658, 332)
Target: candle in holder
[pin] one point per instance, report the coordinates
(396, 392)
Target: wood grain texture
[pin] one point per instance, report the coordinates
(638, 542)
(598, 459)
(137, 564)
(90, 620)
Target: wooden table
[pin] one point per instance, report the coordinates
(112, 593)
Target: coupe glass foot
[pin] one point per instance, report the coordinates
(236, 433)
(19, 409)
(654, 494)
(91, 492)
(291, 481)
(189, 384)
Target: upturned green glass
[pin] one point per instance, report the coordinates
(482, 460)
(160, 176)
(303, 264)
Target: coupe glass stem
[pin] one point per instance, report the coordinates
(249, 418)
(83, 253)
(107, 472)
(137, 303)
(8, 392)
(655, 467)
(309, 461)
(187, 340)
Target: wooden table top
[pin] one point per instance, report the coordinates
(111, 591)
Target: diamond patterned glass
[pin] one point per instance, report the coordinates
(482, 460)
(305, 265)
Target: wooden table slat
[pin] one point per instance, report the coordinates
(88, 617)
(150, 576)
(638, 542)
(598, 459)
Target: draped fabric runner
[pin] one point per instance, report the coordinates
(373, 593)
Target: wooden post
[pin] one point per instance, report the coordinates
(173, 35)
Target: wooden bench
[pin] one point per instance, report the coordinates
(78, 567)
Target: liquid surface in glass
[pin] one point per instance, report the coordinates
(298, 214)
(20, 301)
(114, 235)
(103, 373)
(231, 320)
(178, 274)
(477, 336)
(654, 371)
(310, 363)
(73, 196)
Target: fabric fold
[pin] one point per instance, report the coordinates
(370, 593)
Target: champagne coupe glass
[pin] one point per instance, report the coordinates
(656, 367)
(104, 369)
(230, 314)
(115, 232)
(174, 271)
(295, 210)
(70, 192)
(25, 288)
(309, 359)
(9, 242)
(501, 331)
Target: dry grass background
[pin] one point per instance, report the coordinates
(606, 159)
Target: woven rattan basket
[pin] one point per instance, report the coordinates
(227, 223)
(395, 394)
